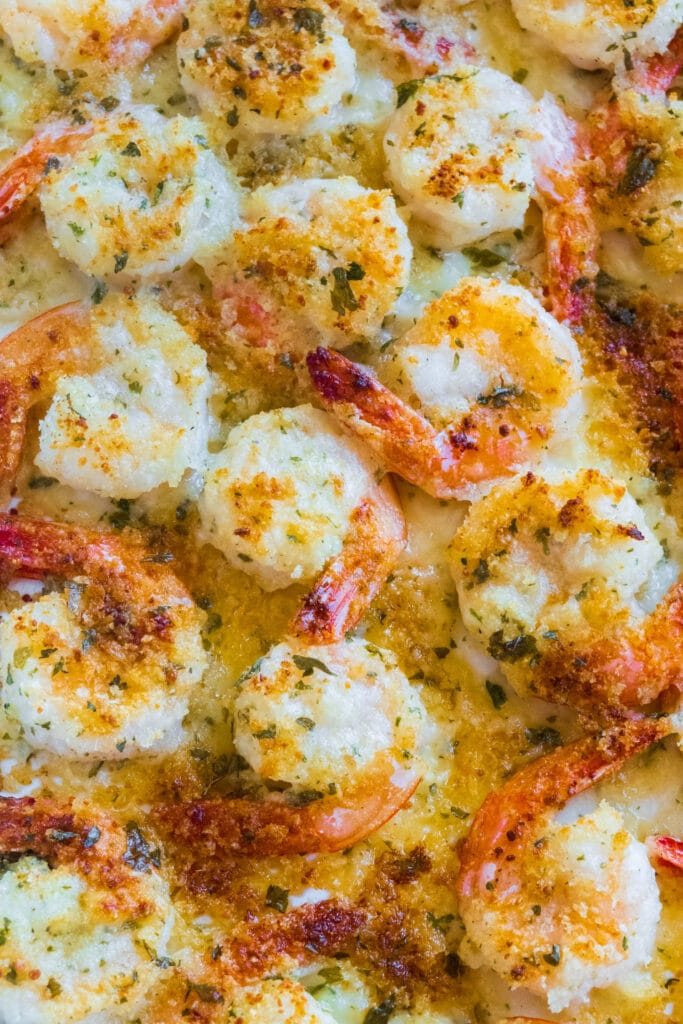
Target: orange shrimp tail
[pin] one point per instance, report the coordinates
(21, 177)
(351, 581)
(666, 852)
(658, 73)
(501, 824)
(571, 247)
(30, 358)
(403, 440)
(243, 827)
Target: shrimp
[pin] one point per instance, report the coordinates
(266, 69)
(341, 725)
(602, 33)
(496, 375)
(459, 154)
(94, 34)
(131, 195)
(129, 397)
(103, 669)
(283, 525)
(84, 915)
(560, 909)
(557, 579)
(317, 259)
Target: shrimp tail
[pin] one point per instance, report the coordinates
(36, 548)
(658, 73)
(22, 175)
(666, 852)
(30, 357)
(351, 581)
(326, 824)
(403, 439)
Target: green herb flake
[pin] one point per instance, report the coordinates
(496, 693)
(277, 898)
(309, 665)
(380, 1014)
(484, 258)
(404, 91)
(553, 958)
(307, 19)
(514, 649)
(342, 296)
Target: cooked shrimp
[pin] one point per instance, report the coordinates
(341, 724)
(496, 375)
(556, 580)
(319, 259)
(277, 1001)
(290, 495)
(97, 34)
(602, 33)
(103, 669)
(139, 194)
(458, 153)
(560, 909)
(266, 68)
(84, 915)
(129, 397)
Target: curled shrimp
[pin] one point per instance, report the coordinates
(128, 394)
(486, 364)
(92, 33)
(285, 71)
(340, 725)
(105, 668)
(82, 908)
(335, 522)
(316, 258)
(560, 909)
(557, 579)
(132, 194)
